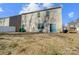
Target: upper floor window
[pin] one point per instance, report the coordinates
(38, 14)
(47, 13)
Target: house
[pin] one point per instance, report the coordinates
(47, 20)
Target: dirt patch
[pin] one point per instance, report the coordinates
(39, 44)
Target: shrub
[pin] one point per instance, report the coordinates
(21, 29)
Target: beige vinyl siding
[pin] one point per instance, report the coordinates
(31, 20)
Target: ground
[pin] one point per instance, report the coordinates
(39, 43)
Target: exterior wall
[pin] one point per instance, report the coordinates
(29, 24)
(31, 20)
(4, 22)
(16, 22)
(58, 18)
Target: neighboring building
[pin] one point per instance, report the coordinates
(74, 25)
(48, 20)
(5, 25)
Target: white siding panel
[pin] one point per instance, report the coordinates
(7, 29)
(4, 22)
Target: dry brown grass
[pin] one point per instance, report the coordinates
(39, 44)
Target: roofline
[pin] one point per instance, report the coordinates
(32, 12)
(40, 10)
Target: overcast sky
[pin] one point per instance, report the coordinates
(70, 12)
